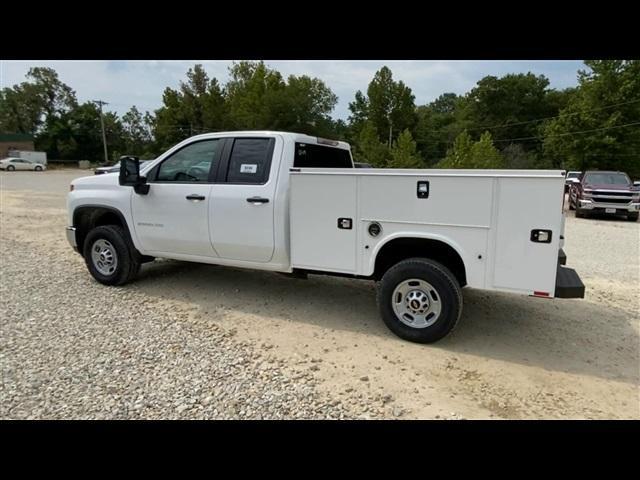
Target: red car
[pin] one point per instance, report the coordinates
(605, 192)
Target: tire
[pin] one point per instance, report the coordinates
(633, 217)
(115, 242)
(571, 207)
(408, 280)
(38, 169)
(580, 213)
(10, 168)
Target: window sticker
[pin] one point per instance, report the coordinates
(248, 168)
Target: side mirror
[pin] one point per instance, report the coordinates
(130, 175)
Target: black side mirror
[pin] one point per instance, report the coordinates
(130, 175)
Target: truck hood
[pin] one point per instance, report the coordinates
(106, 179)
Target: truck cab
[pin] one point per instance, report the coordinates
(219, 197)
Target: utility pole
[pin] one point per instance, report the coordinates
(104, 137)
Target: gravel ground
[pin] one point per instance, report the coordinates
(200, 341)
(71, 348)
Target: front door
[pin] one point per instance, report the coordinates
(174, 216)
(242, 204)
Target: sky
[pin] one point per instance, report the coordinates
(141, 83)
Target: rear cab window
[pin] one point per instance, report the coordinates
(309, 155)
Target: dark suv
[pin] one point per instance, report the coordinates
(605, 192)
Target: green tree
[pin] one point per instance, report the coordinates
(137, 135)
(511, 105)
(31, 105)
(607, 99)
(404, 153)
(369, 148)
(517, 157)
(309, 102)
(196, 107)
(469, 154)
(389, 105)
(436, 127)
(256, 96)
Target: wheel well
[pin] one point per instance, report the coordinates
(87, 218)
(402, 248)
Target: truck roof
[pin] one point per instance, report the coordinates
(299, 137)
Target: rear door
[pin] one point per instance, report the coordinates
(241, 207)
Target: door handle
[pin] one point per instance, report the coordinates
(194, 196)
(256, 200)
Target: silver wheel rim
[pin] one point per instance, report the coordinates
(104, 257)
(416, 303)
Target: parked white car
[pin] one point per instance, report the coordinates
(12, 163)
(295, 204)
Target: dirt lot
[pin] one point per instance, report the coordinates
(169, 352)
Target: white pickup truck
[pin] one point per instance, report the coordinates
(295, 204)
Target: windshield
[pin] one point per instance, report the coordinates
(607, 179)
(573, 174)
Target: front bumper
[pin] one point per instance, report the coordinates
(620, 207)
(71, 237)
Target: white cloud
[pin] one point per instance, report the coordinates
(125, 83)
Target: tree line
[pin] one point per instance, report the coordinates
(513, 121)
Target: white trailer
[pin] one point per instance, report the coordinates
(30, 156)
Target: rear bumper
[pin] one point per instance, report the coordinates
(568, 283)
(71, 237)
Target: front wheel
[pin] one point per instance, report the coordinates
(38, 168)
(10, 168)
(420, 300)
(633, 217)
(110, 256)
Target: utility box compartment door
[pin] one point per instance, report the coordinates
(323, 222)
(525, 206)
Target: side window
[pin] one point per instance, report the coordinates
(190, 164)
(250, 160)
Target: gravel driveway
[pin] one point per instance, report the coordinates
(198, 341)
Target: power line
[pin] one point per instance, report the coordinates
(568, 133)
(556, 116)
(549, 118)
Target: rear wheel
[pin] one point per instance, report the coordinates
(110, 256)
(38, 168)
(420, 300)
